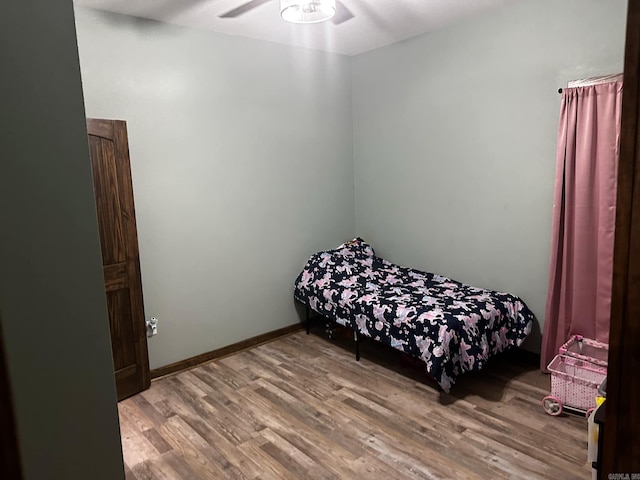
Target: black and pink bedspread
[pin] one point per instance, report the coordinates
(450, 326)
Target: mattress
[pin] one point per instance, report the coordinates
(451, 326)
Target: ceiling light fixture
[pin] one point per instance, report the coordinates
(307, 11)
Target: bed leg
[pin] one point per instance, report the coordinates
(356, 337)
(328, 328)
(308, 320)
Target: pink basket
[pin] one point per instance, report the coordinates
(575, 381)
(586, 349)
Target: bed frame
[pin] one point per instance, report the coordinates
(329, 329)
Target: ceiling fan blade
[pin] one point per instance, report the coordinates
(243, 9)
(342, 14)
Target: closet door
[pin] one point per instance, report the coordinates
(109, 152)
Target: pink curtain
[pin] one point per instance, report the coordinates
(581, 264)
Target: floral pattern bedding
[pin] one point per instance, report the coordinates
(450, 326)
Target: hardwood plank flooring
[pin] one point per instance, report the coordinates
(301, 407)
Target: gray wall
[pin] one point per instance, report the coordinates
(241, 157)
(52, 300)
(455, 136)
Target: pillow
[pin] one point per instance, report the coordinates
(358, 245)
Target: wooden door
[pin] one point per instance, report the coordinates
(109, 152)
(621, 445)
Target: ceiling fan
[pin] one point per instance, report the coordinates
(342, 12)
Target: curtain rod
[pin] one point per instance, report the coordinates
(587, 82)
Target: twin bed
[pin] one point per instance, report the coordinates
(450, 326)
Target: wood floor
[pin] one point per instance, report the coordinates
(301, 407)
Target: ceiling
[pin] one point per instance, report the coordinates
(373, 24)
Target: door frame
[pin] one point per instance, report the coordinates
(11, 462)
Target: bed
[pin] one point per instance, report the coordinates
(452, 327)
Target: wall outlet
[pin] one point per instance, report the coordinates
(152, 327)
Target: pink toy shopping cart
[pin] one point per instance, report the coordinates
(576, 373)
